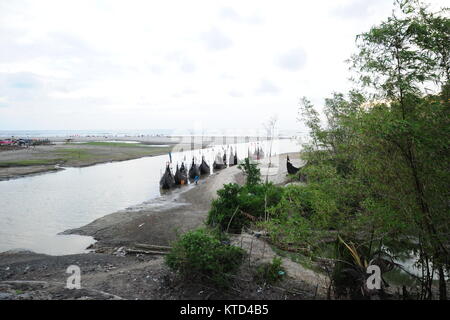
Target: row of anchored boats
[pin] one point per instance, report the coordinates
(183, 175)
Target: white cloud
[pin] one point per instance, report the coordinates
(361, 9)
(235, 93)
(267, 87)
(228, 13)
(292, 60)
(216, 39)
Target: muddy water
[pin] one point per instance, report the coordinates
(33, 210)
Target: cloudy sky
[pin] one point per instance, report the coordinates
(169, 64)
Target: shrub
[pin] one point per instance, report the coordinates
(201, 255)
(236, 207)
(251, 171)
(292, 232)
(270, 273)
(225, 208)
(349, 274)
(301, 216)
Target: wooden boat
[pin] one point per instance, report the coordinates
(194, 171)
(204, 167)
(231, 158)
(290, 168)
(180, 175)
(218, 163)
(261, 153)
(225, 158)
(258, 154)
(167, 180)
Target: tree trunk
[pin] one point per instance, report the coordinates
(442, 284)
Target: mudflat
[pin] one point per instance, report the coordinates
(32, 160)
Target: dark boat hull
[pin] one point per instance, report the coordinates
(217, 166)
(290, 168)
(180, 177)
(194, 171)
(258, 154)
(204, 168)
(167, 180)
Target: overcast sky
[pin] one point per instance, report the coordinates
(169, 64)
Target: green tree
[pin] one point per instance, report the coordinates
(393, 149)
(397, 59)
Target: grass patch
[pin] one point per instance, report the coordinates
(204, 255)
(270, 273)
(26, 163)
(155, 150)
(299, 258)
(74, 154)
(137, 149)
(113, 144)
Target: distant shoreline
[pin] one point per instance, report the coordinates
(88, 151)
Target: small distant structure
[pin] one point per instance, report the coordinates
(6, 142)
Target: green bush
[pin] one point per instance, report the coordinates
(301, 216)
(257, 199)
(251, 171)
(237, 206)
(225, 208)
(295, 231)
(270, 273)
(203, 256)
(295, 200)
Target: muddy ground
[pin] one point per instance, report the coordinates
(46, 158)
(115, 271)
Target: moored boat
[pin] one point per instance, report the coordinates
(204, 167)
(180, 175)
(167, 180)
(232, 159)
(290, 168)
(194, 171)
(218, 162)
(258, 154)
